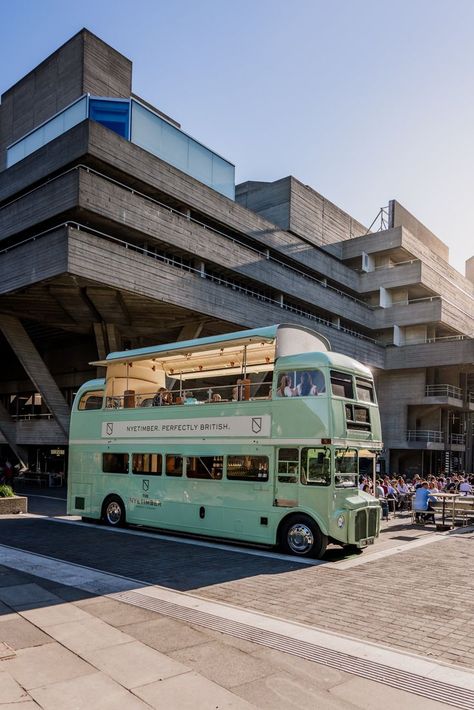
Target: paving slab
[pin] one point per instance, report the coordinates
(92, 692)
(167, 635)
(223, 664)
(190, 692)
(367, 695)
(87, 634)
(10, 690)
(283, 691)
(116, 613)
(22, 705)
(47, 615)
(20, 596)
(19, 633)
(133, 664)
(33, 667)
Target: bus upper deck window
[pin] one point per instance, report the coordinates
(300, 383)
(341, 384)
(91, 400)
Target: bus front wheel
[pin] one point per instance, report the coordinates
(301, 536)
(113, 512)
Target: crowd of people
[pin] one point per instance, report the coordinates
(398, 492)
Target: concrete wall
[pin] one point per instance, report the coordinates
(399, 216)
(298, 208)
(395, 390)
(84, 64)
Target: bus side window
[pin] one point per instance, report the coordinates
(316, 466)
(288, 465)
(115, 463)
(174, 465)
(247, 468)
(149, 464)
(205, 467)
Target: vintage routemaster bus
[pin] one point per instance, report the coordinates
(253, 436)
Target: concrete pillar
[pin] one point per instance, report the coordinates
(470, 269)
(368, 262)
(385, 298)
(8, 429)
(398, 335)
(36, 369)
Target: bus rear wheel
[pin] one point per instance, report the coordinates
(113, 512)
(302, 537)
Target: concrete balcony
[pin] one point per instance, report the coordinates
(455, 350)
(425, 439)
(398, 275)
(414, 312)
(457, 442)
(443, 396)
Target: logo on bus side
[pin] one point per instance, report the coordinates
(109, 428)
(256, 425)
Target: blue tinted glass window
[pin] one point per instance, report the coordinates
(111, 114)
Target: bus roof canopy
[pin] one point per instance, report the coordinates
(260, 346)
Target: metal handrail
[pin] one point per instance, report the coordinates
(397, 263)
(425, 435)
(458, 438)
(240, 391)
(235, 286)
(28, 417)
(265, 254)
(443, 391)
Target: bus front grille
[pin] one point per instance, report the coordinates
(361, 525)
(373, 520)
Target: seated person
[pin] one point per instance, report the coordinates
(162, 397)
(285, 388)
(305, 386)
(423, 496)
(189, 398)
(216, 397)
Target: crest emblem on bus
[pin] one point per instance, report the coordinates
(256, 425)
(109, 428)
(146, 484)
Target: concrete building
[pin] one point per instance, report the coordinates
(119, 230)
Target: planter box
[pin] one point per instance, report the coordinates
(17, 504)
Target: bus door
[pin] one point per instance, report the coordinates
(287, 465)
(248, 497)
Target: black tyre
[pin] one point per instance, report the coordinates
(301, 536)
(113, 512)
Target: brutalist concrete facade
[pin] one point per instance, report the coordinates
(106, 244)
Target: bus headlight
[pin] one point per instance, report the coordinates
(340, 521)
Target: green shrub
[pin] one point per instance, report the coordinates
(6, 491)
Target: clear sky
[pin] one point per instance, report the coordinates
(364, 100)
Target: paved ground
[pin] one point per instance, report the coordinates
(63, 648)
(417, 600)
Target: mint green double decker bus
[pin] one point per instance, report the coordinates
(255, 436)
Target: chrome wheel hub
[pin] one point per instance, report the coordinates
(113, 513)
(300, 538)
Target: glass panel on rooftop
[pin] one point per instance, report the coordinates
(114, 115)
(53, 128)
(154, 134)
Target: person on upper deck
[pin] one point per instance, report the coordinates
(162, 397)
(306, 386)
(285, 388)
